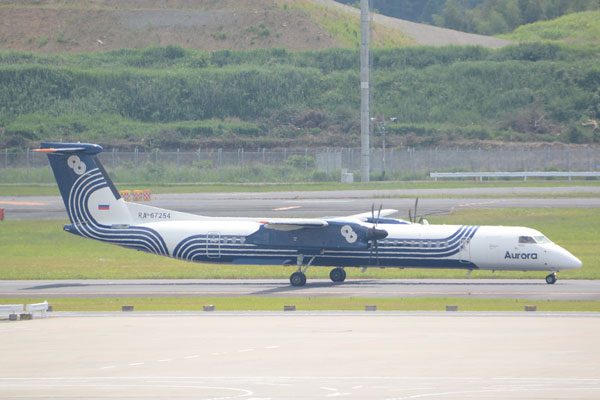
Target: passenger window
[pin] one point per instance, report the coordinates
(526, 239)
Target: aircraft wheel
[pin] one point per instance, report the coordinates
(337, 275)
(551, 279)
(298, 279)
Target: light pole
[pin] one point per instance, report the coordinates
(381, 127)
(365, 78)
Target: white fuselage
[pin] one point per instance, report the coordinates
(407, 245)
(97, 211)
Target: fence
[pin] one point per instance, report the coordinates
(406, 162)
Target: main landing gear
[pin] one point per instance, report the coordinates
(551, 279)
(298, 278)
(337, 275)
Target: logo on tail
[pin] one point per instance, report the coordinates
(76, 165)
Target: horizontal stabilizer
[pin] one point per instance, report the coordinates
(68, 148)
(60, 150)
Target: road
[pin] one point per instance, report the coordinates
(303, 356)
(475, 288)
(329, 203)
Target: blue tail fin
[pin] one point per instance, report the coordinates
(95, 208)
(75, 165)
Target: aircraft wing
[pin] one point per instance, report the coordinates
(293, 224)
(384, 213)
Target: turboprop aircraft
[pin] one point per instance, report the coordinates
(97, 211)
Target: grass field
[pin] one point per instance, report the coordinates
(41, 250)
(251, 303)
(51, 189)
(574, 29)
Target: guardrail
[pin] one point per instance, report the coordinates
(524, 175)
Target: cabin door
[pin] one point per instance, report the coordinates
(213, 245)
(465, 250)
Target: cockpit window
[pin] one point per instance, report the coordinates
(542, 239)
(526, 239)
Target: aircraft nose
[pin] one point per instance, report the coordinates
(568, 260)
(575, 262)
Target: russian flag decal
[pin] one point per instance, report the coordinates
(103, 207)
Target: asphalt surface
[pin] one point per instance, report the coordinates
(328, 203)
(475, 288)
(303, 356)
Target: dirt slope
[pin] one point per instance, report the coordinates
(92, 25)
(76, 26)
(423, 34)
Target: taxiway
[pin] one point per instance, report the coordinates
(330, 203)
(368, 288)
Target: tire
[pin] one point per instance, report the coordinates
(337, 275)
(298, 279)
(551, 279)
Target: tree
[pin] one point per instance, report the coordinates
(531, 10)
(453, 16)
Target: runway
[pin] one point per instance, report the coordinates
(368, 288)
(328, 203)
(303, 356)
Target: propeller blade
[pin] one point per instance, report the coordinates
(378, 214)
(416, 205)
(410, 215)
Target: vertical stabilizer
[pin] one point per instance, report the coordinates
(86, 189)
(94, 206)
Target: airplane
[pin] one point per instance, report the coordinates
(97, 211)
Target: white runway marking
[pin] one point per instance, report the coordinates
(245, 350)
(165, 360)
(190, 357)
(305, 387)
(286, 208)
(336, 392)
(135, 364)
(478, 204)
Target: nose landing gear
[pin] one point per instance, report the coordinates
(551, 279)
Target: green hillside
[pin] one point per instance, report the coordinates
(170, 97)
(575, 29)
(488, 17)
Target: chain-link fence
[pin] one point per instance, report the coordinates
(403, 162)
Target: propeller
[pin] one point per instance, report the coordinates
(375, 234)
(413, 215)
